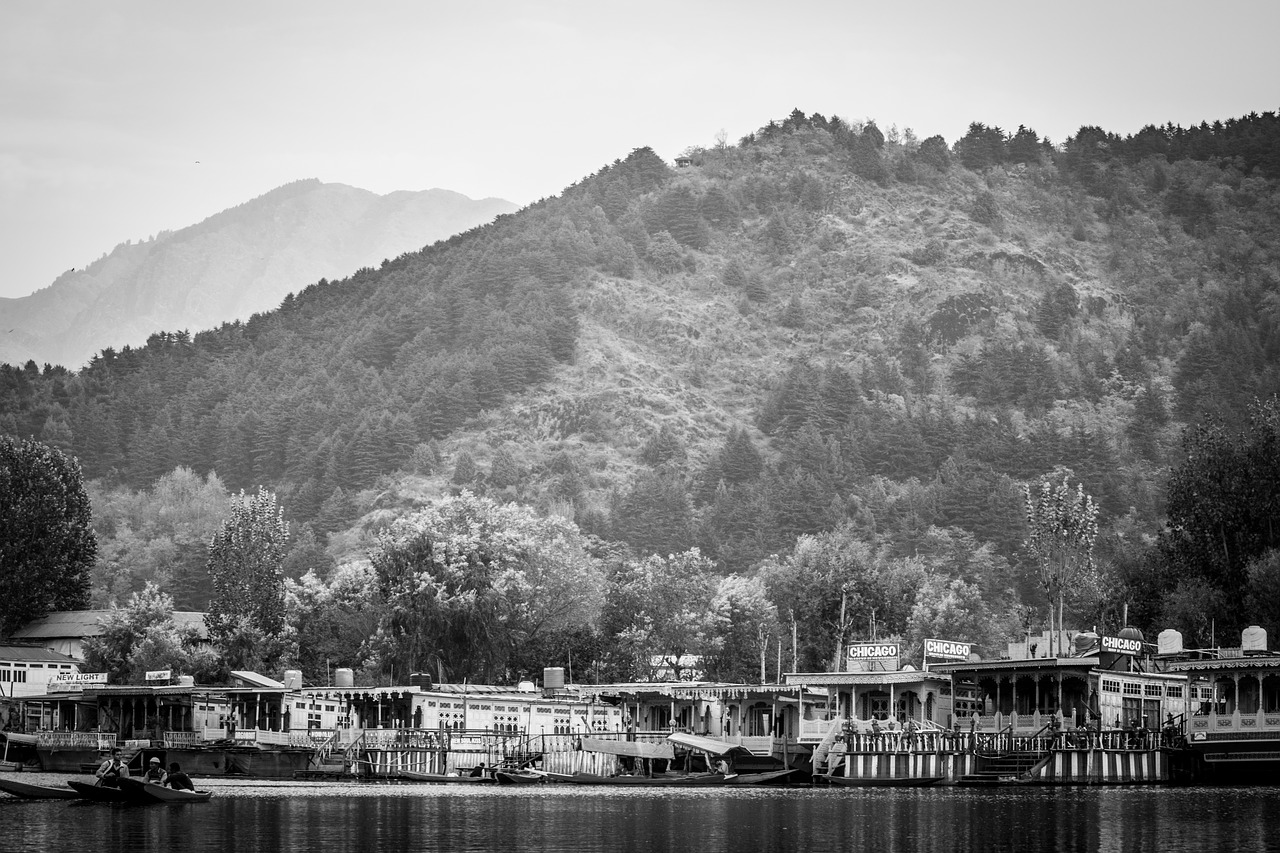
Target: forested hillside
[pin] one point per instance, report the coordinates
(825, 343)
(228, 267)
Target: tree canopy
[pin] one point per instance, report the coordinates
(466, 580)
(47, 547)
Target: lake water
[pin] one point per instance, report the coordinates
(251, 816)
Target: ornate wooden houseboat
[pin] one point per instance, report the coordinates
(1233, 708)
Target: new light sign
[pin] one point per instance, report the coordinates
(867, 651)
(946, 649)
(79, 678)
(1121, 646)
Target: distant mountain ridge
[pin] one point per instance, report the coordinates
(234, 264)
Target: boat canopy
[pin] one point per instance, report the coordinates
(711, 746)
(633, 749)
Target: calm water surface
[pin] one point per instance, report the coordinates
(246, 816)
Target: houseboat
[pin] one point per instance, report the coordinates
(762, 720)
(880, 720)
(1098, 714)
(1232, 708)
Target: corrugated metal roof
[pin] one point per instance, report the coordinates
(708, 745)
(33, 653)
(88, 623)
(254, 680)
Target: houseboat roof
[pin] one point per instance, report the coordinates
(254, 681)
(1090, 662)
(1210, 665)
(146, 690)
(24, 653)
(829, 679)
(683, 688)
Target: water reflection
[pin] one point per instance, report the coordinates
(244, 816)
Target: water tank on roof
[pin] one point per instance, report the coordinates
(293, 679)
(421, 679)
(1084, 642)
(1253, 639)
(553, 677)
(1169, 642)
(344, 677)
(1130, 633)
(526, 687)
(186, 681)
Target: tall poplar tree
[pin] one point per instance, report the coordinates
(1062, 527)
(246, 559)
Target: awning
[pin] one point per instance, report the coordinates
(708, 745)
(632, 749)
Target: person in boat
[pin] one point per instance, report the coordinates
(178, 780)
(477, 771)
(154, 772)
(110, 771)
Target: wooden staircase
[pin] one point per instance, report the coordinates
(823, 750)
(1010, 768)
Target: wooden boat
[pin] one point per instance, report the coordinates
(657, 781)
(36, 792)
(443, 779)
(519, 777)
(97, 793)
(138, 791)
(772, 777)
(883, 782)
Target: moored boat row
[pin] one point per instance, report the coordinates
(1101, 710)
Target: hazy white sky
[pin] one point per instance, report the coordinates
(120, 119)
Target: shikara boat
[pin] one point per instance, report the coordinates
(658, 781)
(36, 792)
(138, 791)
(883, 782)
(519, 777)
(772, 777)
(97, 793)
(443, 779)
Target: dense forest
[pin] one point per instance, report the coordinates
(825, 343)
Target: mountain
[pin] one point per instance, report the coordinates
(822, 330)
(230, 266)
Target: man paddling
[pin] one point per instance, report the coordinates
(111, 770)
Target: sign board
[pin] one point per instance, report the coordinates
(867, 651)
(1121, 646)
(79, 678)
(947, 649)
(872, 657)
(159, 674)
